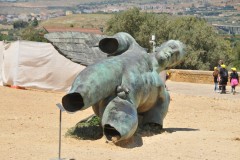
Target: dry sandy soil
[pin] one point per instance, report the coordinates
(200, 124)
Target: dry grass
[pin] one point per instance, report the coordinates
(79, 20)
(6, 27)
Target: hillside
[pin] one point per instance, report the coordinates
(39, 6)
(79, 20)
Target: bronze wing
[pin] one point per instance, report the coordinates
(79, 47)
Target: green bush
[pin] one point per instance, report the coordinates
(90, 129)
(204, 46)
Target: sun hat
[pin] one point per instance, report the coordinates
(234, 69)
(223, 66)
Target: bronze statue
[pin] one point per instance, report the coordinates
(121, 80)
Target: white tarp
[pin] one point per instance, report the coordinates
(1, 61)
(37, 65)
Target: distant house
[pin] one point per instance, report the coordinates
(4, 32)
(68, 13)
(24, 17)
(73, 29)
(2, 17)
(238, 7)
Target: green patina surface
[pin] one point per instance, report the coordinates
(124, 84)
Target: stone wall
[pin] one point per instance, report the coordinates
(193, 76)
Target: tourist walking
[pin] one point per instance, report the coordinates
(220, 62)
(223, 78)
(215, 79)
(234, 80)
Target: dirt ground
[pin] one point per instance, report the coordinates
(200, 124)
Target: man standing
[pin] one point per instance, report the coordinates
(223, 78)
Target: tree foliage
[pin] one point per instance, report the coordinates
(4, 37)
(20, 24)
(235, 58)
(32, 34)
(25, 31)
(204, 46)
(34, 23)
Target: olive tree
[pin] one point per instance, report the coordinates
(204, 46)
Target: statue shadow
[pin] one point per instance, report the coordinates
(136, 140)
(90, 129)
(133, 142)
(171, 130)
(150, 133)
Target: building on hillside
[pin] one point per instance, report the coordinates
(237, 7)
(68, 13)
(73, 29)
(4, 32)
(2, 18)
(24, 17)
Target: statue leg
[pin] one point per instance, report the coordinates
(100, 107)
(158, 112)
(119, 120)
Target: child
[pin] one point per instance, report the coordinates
(215, 78)
(234, 79)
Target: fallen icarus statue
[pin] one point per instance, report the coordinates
(121, 80)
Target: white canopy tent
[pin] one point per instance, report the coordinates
(37, 65)
(1, 61)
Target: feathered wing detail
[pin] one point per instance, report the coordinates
(79, 47)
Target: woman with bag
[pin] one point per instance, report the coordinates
(234, 79)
